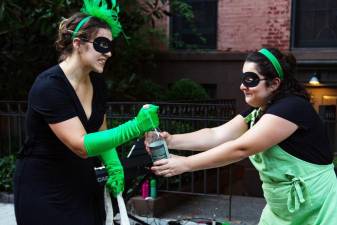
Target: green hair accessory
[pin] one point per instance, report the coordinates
(79, 25)
(99, 9)
(273, 61)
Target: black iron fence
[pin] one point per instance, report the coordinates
(174, 117)
(12, 132)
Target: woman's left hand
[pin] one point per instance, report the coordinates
(171, 167)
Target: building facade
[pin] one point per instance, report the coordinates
(233, 28)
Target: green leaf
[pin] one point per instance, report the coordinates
(7, 167)
(2, 10)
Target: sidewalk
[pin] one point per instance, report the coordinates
(245, 210)
(7, 216)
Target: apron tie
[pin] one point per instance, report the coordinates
(296, 195)
(298, 191)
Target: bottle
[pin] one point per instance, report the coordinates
(153, 188)
(225, 223)
(145, 189)
(157, 145)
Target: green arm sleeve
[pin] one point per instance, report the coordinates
(115, 182)
(98, 142)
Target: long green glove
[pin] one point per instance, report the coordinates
(115, 182)
(98, 142)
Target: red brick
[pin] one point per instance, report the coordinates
(253, 24)
(248, 25)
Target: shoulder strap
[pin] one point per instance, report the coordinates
(251, 117)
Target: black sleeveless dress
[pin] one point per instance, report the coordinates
(52, 185)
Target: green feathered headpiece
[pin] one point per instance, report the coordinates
(99, 9)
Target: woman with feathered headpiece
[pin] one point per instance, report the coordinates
(67, 133)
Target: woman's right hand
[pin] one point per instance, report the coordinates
(167, 137)
(171, 166)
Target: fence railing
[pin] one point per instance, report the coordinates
(12, 126)
(174, 117)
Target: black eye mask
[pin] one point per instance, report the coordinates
(250, 79)
(101, 44)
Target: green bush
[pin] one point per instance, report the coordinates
(7, 166)
(147, 90)
(28, 30)
(186, 89)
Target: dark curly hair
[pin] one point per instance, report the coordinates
(64, 40)
(289, 85)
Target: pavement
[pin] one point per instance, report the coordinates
(7, 216)
(244, 211)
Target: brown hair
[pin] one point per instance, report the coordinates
(64, 39)
(289, 85)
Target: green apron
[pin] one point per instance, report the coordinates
(297, 192)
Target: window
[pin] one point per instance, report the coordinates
(201, 34)
(314, 24)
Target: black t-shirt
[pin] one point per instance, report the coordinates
(64, 185)
(310, 141)
(52, 99)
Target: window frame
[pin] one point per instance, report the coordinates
(293, 35)
(212, 46)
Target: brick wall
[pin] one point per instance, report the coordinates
(247, 25)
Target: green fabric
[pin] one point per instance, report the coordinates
(99, 9)
(147, 118)
(79, 25)
(273, 61)
(115, 182)
(297, 192)
(98, 142)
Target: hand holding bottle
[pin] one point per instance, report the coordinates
(165, 135)
(156, 145)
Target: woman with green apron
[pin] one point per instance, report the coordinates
(283, 137)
